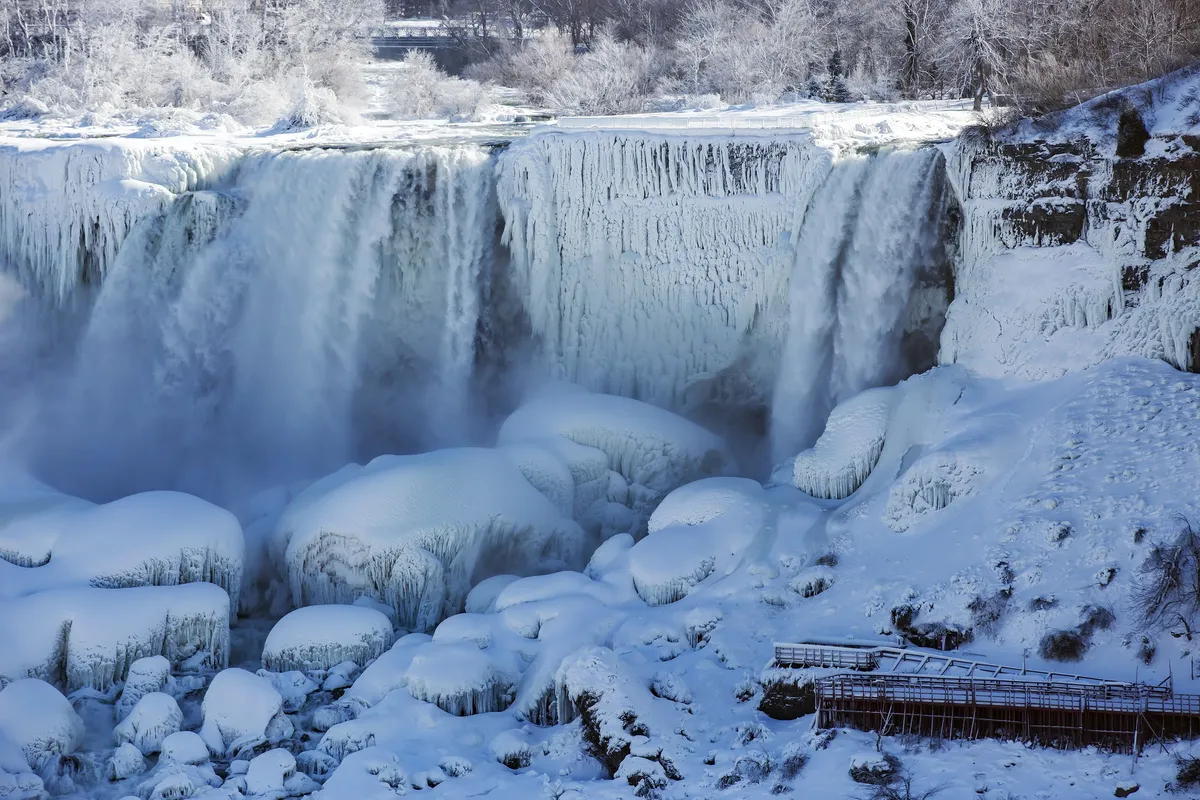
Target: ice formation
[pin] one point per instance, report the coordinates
(184, 747)
(847, 450)
(462, 680)
(67, 208)
(155, 717)
(90, 637)
(126, 762)
(415, 532)
(146, 675)
(242, 710)
(651, 450)
(273, 775)
(35, 717)
(320, 637)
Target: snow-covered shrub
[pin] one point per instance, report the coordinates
(847, 450)
(512, 749)
(874, 768)
(35, 717)
(319, 637)
(155, 717)
(417, 532)
(242, 710)
(422, 91)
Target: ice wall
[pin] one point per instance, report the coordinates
(316, 303)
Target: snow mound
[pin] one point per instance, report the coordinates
(699, 529)
(91, 637)
(483, 596)
(17, 781)
(126, 762)
(151, 539)
(146, 675)
(320, 637)
(242, 710)
(463, 680)
(417, 532)
(930, 485)
(651, 449)
(369, 774)
(185, 747)
(35, 717)
(273, 775)
(155, 717)
(847, 450)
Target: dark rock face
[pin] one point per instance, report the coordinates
(1131, 134)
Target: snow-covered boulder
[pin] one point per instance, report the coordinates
(273, 775)
(293, 686)
(125, 762)
(155, 717)
(417, 532)
(17, 780)
(319, 637)
(92, 636)
(847, 450)
(36, 717)
(652, 450)
(369, 774)
(151, 539)
(184, 747)
(146, 675)
(242, 710)
(463, 680)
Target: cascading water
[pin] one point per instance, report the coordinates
(870, 234)
(322, 307)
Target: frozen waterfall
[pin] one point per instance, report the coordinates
(318, 304)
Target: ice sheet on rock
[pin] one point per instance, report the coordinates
(651, 449)
(319, 637)
(847, 450)
(66, 208)
(417, 532)
(241, 710)
(151, 539)
(91, 637)
(35, 717)
(155, 717)
(462, 679)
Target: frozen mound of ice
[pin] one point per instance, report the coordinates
(151, 539)
(36, 717)
(699, 529)
(273, 775)
(929, 485)
(90, 637)
(66, 209)
(848, 449)
(170, 780)
(320, 637)
(547, 471)
(417, 532)
(462, 679)
(155, 717)
(185, 747)
(17, 780)
(481, 598)
(146, 675)
(294, 686)
(651, 449)
(242, 710)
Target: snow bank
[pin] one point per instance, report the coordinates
(847, 451)
(415, 532)
(35, 717)
(90, 637)
(652, 450)
(320, 637)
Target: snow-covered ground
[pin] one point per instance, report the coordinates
(581, 603)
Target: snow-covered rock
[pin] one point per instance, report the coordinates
(294, 687)
(92, 636)
(242, 710)
(370, 774)
(462, 680)
(273, 775)
(17, 780)
(319, 637)
(417, 532)
(146, 675)
(651, 450)
(846, 452)
(185, 747)
(155, 717)
(35, 717)
(126, 762)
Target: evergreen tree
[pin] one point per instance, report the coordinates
(835, 86)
